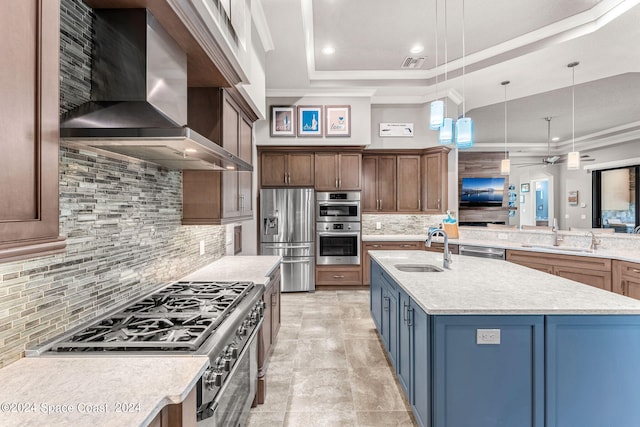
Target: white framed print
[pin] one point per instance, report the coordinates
(338, 120)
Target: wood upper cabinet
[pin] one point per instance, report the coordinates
(591, 271)
(378, 183)
(408, 199)
(29, 203)
(279, 169)
(626, 278)
(338, 171)
(218, 197)
(434, 181)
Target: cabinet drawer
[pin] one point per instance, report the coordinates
(629, 270)
(349, 275)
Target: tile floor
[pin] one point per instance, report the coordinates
(328, 367)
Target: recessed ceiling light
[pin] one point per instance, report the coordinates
(417, 49)
(328, 50)
(555, 139)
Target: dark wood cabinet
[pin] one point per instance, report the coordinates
(378, 183)
(591, 271)
(338, 171)
(409, 177)
(626, 278)
(329, 276)
(29, 203)
(268, 332)
(280, 169)
(218, 197)
(435, 166)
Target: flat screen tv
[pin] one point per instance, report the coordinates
(481, 192)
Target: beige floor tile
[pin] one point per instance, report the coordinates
(385, 419)
(289, 330)
(320, 390)
(265, 419)
(320, 328)
(376, 390)
(321, 419)
(353, 296)
(277, 396)
(354, 311)
(359, 328)
(320, 353)
(365, 353)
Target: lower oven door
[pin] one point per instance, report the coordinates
(338, 248)
(233, 402)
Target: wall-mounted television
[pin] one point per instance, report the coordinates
(482, 192)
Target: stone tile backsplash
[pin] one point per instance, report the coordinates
(399, 224)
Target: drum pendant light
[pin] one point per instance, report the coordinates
(464, 125)
(573, 158)
(437, 107)
(505, 164)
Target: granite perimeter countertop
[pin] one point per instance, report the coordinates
(107, 390)
(485, 286)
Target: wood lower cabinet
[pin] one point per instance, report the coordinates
(29, 214)
(268, 332)
(178, 414)
(409, 176)
(338, 171)
(378, 183)
(383, 246)
(439, 247)
(338, 275)
(626, 278)
(279, 169)
(591, 271)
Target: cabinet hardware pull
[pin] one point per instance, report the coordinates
(380, 204)
(438, 203)
(339, 183)
(635, 270)
(288, 178)
(410, 317)
(405, 313)
(336, 182)
(338, 276)
(419, 205)
(386, 304)
(376, 246)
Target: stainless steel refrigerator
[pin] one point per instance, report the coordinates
(287, 229)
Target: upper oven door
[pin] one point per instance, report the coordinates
(338, 207)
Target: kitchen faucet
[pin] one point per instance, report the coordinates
(556, 239)
(594, 241)
(447, 255)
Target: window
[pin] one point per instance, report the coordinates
(615, 198)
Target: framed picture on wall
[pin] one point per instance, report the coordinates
(572, 198)
(338, 120)
(283, 119)
(524, 188)
(309, 120)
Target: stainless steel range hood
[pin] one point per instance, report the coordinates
(138, 104)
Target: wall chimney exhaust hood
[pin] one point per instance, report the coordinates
(138, 104)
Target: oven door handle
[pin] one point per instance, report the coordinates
(339, 203)
(345, 234)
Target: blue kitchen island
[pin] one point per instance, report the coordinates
(490, 343)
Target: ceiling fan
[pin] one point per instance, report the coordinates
(552, 160)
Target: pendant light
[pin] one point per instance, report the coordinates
(437, 107)
(464, 125)
(446, 130)
(505, 164)
(573, 159)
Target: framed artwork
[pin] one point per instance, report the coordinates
(309, 120)
(572, 198)
(338, 119)
(524, 188)
(283, 121)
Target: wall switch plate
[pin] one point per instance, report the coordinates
(503, 236)
(201, 247)
(378, 225)
(583, 216)
(488, 336)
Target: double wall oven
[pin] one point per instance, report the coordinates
(338, 228)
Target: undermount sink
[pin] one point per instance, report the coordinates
(559, 248)
(418, 268)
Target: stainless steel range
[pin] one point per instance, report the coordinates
(216, 319)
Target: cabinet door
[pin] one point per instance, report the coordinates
(230, 126)
(434, 183)
(387, 183)
(626, 278)
(405, 330)
(275, 312)
(598, 279)
(326, 171)
(300, 169)
(420, 396)
(408, 199)
(369, 195)
(266, 332)
(273, 172)
(350, 166)
(245, 178)
(376, 295)
(30, 128)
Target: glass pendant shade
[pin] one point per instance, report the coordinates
(573, 161)
(505, 167)
(437, 115)
(464, 132)
(446, 131)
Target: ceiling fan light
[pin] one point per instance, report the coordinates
(446, 131)
(464, 132)
(573, 161)
(505, 167)
(437, 115)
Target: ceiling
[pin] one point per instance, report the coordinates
(528, 42)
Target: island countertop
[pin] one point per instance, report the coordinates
(485, 286)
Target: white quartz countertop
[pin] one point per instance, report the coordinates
(94, 391)
(90, 390)
(485, 286)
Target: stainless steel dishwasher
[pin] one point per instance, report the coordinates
(482, 251)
